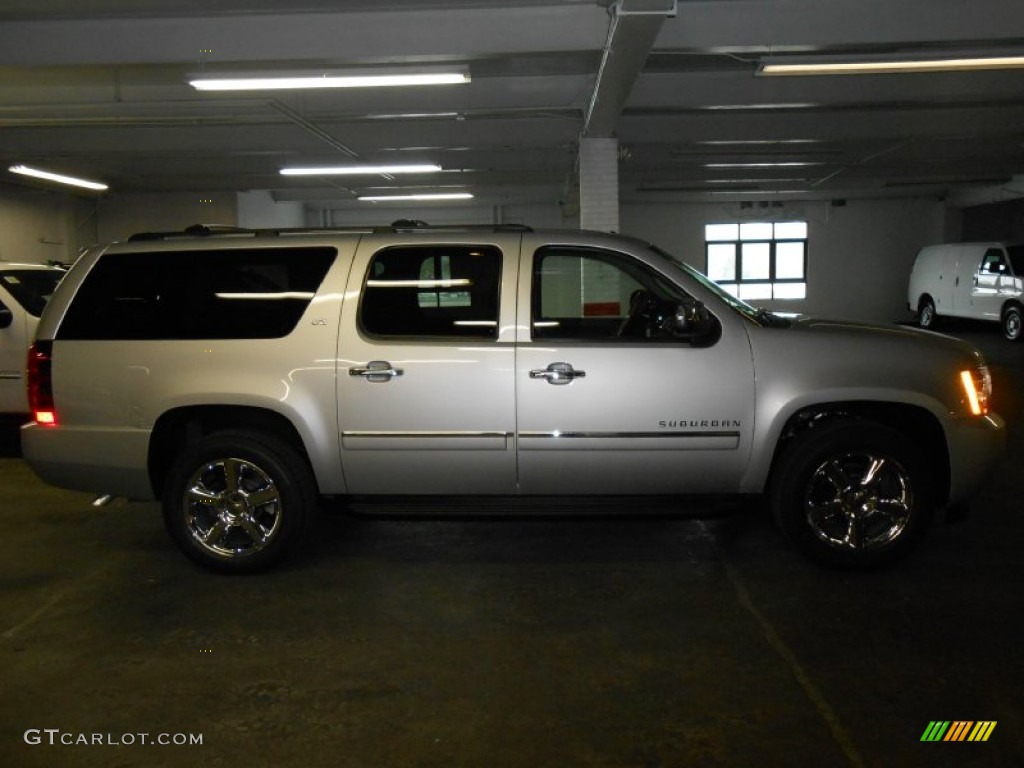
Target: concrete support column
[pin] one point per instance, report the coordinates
(599, 184)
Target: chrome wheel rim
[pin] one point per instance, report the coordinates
(859, 501)
(232, 508)
(927, 315)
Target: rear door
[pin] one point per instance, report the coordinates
(426, 366)
(964, 268)
(609, 405)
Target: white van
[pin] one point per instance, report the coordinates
(983, 281)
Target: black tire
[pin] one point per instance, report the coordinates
(238, 501)
(926, 315)
(852, 494)
(1013, 319)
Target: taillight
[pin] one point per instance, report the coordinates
(40, 383)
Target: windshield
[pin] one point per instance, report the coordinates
(758, 315)
(31, 288)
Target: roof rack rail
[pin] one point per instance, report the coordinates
(194, 230)
(415, 225)
(400, 226)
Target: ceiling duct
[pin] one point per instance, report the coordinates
(634, 26)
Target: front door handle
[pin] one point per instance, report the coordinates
(558, 373)
(377, 371)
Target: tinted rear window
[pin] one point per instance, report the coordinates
(434, 291)
(219, 294)
(31, 288)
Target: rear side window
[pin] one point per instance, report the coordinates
(432, 291)
(217, 294)
(31, 288)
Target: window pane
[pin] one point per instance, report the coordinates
(716, 233)
(731, 288)
(722, 262)
(756, 260)
(756, 230)
(791, 230)
(31, 288)
(751, 291)
(790, 290)
(587, 294)
(435, 291)
(561, 286)
(218, 294)
(789, 261)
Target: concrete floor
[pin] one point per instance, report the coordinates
(646, 643)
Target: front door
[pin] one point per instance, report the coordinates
(425, 368)
(607, 402)
(991, 280)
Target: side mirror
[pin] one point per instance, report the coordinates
(690, 320)
(6, 317)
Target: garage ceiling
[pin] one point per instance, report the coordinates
(99, 90)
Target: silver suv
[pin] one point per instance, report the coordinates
(238, 376)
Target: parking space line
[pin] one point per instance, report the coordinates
(39, 612)
(825, 710)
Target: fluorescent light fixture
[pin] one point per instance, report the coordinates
(878, 66)
(25, 170)
(419, 196)
(761, 165)
(754, 142)
(356, 170)
(279, 83)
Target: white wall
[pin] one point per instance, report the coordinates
(122, 215)
(859, 254)
(257, 210)
(40, 226)
(382, 214)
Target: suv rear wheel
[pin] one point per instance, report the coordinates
(238, 501)
(852, 494)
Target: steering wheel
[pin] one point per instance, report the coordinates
(642, 305)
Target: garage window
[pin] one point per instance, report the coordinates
(758, 260)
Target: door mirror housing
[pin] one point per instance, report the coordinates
(6, 317)
(690, 320)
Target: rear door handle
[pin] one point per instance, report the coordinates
(558, 373)
(377, 371)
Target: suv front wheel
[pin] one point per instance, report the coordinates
(238, 501)
(852, 494)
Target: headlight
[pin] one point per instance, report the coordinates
(977, 388)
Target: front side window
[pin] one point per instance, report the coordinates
(584, 294)
(432, 291)
(994, 262)
(758, 260)
(244, 293)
